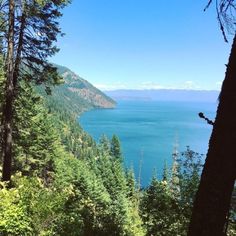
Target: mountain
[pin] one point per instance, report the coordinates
(76, 93)
(165, 95)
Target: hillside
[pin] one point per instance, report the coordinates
(77, 94)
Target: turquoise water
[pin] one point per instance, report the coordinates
(148, 131)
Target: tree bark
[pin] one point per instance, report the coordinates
(9, 99)
(19, 49)
(213, 198)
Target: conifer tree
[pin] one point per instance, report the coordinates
(104, 144)
(219, 171)
(165, 174)
(189, 175)
(174, 182)
(131, 184)
(27, 42)
(35, 138)
(2, 83)
(160, 210)
(115, 147)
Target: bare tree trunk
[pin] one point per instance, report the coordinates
(9, 99)
(212, 201)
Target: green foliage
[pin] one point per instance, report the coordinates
(30, 208)
(124, 217)
(35, 138)
(115, 147)
(166, 205)
(13, 216)
(66, 184)
(189, 176)
(87, 204)
(75, 94)
(104, 144)
(165, 175)
(160, 210)
(36, 29)
(69, 185)
(131, 184)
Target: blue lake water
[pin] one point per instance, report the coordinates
(148, 131)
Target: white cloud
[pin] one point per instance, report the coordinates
(147, 85)
(113, 86)
(120, 85)
(189, 84)
(150, 85)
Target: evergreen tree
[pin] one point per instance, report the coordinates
(190, 167)
(174, 182)
(219, 172)
(165, 174)
(2, 85)
(115, 147)
(32, 30)
(160, 210)
(104, 144)
(131, 184)
(36, 140)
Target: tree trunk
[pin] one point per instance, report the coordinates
(19, 49)
(212, 201)
(9, 99)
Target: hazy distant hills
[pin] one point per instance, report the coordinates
(165, 95)
(77, 94)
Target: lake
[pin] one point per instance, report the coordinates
(149, 130)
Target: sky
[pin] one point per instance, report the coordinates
(143, 44)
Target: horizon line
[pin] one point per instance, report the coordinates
(148, 89)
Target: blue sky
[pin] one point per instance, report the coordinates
(143, 44)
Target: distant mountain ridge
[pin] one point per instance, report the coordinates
(77, 94)
(165, 95)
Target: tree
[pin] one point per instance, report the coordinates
(174, 182)
(131, 184)
(104, 144)
(35, 138)
(189, 170)
(165, 173)
(115, 147)
(28, 41)
(2, 85)
(159, 209)
(213, 197)
(185, 183)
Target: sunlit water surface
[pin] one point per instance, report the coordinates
(148, 131)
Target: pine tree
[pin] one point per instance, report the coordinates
(32, 30)
(165, 174)
(115, 147)
(189, 175)
(160, 210)
(219, 172)
(131, 184)
(36, 140)
(2, 85)
(174, 183)
(104, 144)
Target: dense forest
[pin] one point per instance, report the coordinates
(56, 180)
(63, 183)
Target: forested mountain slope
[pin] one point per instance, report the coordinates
(77, 94)
(63, 183)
